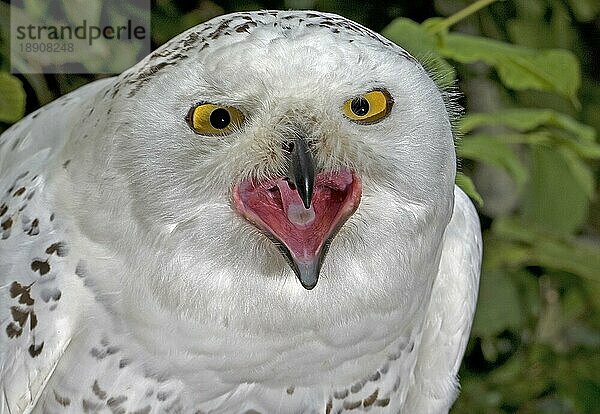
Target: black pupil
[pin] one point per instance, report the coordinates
(220, 118)
(360, 106)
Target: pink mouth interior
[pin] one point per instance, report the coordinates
(275, 207)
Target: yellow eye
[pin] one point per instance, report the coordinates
(210, 119)
(369, 108)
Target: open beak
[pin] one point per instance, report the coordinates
(300, 213)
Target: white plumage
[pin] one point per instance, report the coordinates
(136, 275)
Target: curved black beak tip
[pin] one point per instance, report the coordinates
(302, 170)
(308, 274)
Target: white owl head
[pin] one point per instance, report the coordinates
(229, 131)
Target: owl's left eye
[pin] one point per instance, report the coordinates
(369, 108)
(211, 119)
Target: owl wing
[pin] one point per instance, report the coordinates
(450, 314)
(40, 293)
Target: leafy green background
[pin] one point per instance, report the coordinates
(528, 71)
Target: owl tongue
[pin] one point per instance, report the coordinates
(303, 235)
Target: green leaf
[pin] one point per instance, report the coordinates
(492, 150)
(529, 292)
(503, 253)
(410, 36)
(12, 103)
(580, 171)
(585, 10)
(531, 138)
(78, 10)
(519, 68)
(585, 150)
(498, 306)
(556, 201)
(416, 40)
(529, 32)
(527, 119)
(538, 248)
(468, 187)
(441, 25)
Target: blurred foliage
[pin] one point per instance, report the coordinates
(104, 57)
(529, 148)
(529, 143)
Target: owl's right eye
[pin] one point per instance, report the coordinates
(211, 119)
(369, 108)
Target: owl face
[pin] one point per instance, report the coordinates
(285, 154)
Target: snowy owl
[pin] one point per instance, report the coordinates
(259, 217)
